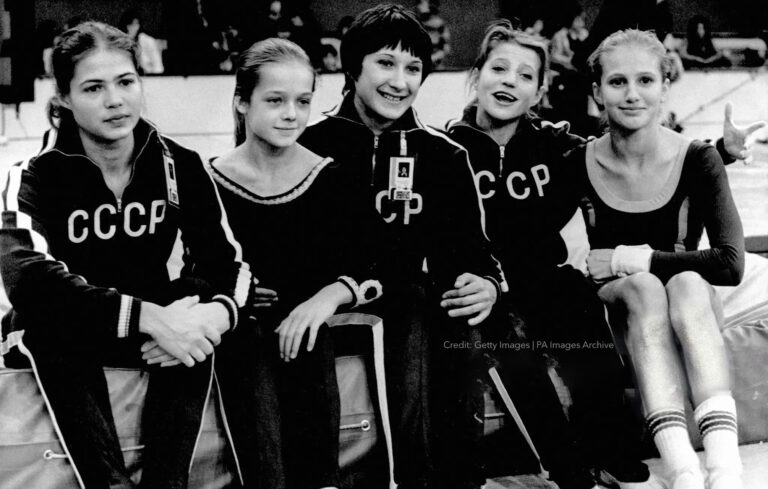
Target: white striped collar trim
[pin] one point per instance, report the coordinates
(288, 196)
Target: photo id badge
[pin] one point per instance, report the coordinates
(401, 178)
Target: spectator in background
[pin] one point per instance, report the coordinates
(567, 41)
(429, 15)
(305, 31)
(47, 33)
(267, 24)
(698, 51)
(231, 45)
(569, 92)
(192, 45)
(151, 59)
(536, 28)
(343, 26)
(331, 62)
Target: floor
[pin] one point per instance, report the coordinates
(754, 459)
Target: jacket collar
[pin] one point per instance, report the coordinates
(469, 120)
(66, 139)
(347, 110)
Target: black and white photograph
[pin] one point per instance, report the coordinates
(339, 244)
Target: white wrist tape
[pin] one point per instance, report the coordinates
(627, 260)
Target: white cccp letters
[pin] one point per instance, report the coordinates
(517, 182)
(136, 221)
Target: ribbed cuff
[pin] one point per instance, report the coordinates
(350, 284)
(366, 292)
(231, 306)
(128, 317)
(496, 284)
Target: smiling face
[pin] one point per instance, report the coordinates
(631, 88)
(387, 86)
(507, 85)
(105, 96)
(278, 109)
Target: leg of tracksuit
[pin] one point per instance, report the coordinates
(77, 391)
(569, 311)
(171, 423)
(524, 374)
(309, 407)
(457, 404)
(406, 363)
(245, 367)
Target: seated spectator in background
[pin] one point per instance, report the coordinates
(536, 28)
(343, 26)
(436, 27)
(300, 26)
(331, 62)
(698, 51)
(567, 41)
(192, 42)
(151, 59)
(261, 23)
(47, 33)
(569, 92)
(229, 48)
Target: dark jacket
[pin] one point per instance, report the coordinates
(77, 261)
(443, 221)
(528, 191)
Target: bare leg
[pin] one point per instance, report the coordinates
(692, 307)
(695, 313)
(659, 370)
(650, 340)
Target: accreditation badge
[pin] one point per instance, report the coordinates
(401, 178)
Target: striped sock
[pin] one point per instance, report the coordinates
(716, 418)
(670, 434)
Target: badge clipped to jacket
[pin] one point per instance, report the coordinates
(170, 176)
(401, 173)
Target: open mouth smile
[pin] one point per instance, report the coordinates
(392, 98)
(504, 97)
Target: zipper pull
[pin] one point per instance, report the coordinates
(501, 161)
(373, 158)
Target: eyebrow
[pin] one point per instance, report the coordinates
(101, 80)
(283, 92)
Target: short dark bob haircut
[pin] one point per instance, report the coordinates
(383, 26)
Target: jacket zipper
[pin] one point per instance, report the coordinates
(501, 161)
(373, 158)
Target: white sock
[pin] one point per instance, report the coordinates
(670, 434)
(716, 418)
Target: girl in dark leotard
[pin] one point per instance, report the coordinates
(301, 226)
(652, 192)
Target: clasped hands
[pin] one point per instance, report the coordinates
(185, 331)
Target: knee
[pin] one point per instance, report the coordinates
(689, 304)
(646, 303)
(688, 287)
(644, 293)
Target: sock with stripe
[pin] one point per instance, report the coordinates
(716, 418)
(670, 434)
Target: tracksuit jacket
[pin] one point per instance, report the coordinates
(443, 221)
(78, 261)
(528, 191)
